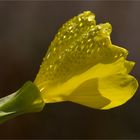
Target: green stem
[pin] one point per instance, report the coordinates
(26, 99)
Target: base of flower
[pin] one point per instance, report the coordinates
(26, 99)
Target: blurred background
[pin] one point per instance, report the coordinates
(26, 30)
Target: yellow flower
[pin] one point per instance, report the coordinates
(83, 66)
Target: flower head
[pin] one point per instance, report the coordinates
(83, 66)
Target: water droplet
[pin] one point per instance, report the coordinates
(72, 31)
(48, 55)
(121, 54)
(91, 18)
(55, 67)
(82, 42)
(66, 50)
(79, 19)
(99, 27)
(90, 45)
(81, 24)
(54, 49)
(89, 40)
(88, 50)
(103, 43)
(70, 27)
(76, 47)
(69, 37)
(41, 89)
(60, 57)
(98, 49)
(51, 66)
(75, 35)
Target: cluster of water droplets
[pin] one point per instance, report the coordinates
(78, 45)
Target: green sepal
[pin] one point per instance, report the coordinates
(26, 99)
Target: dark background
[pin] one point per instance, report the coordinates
(26, 30)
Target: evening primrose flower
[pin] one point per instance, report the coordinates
(82, 66)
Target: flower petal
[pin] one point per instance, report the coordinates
(105, 93)
(88, 94)
(117, 88)
(67, 90)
